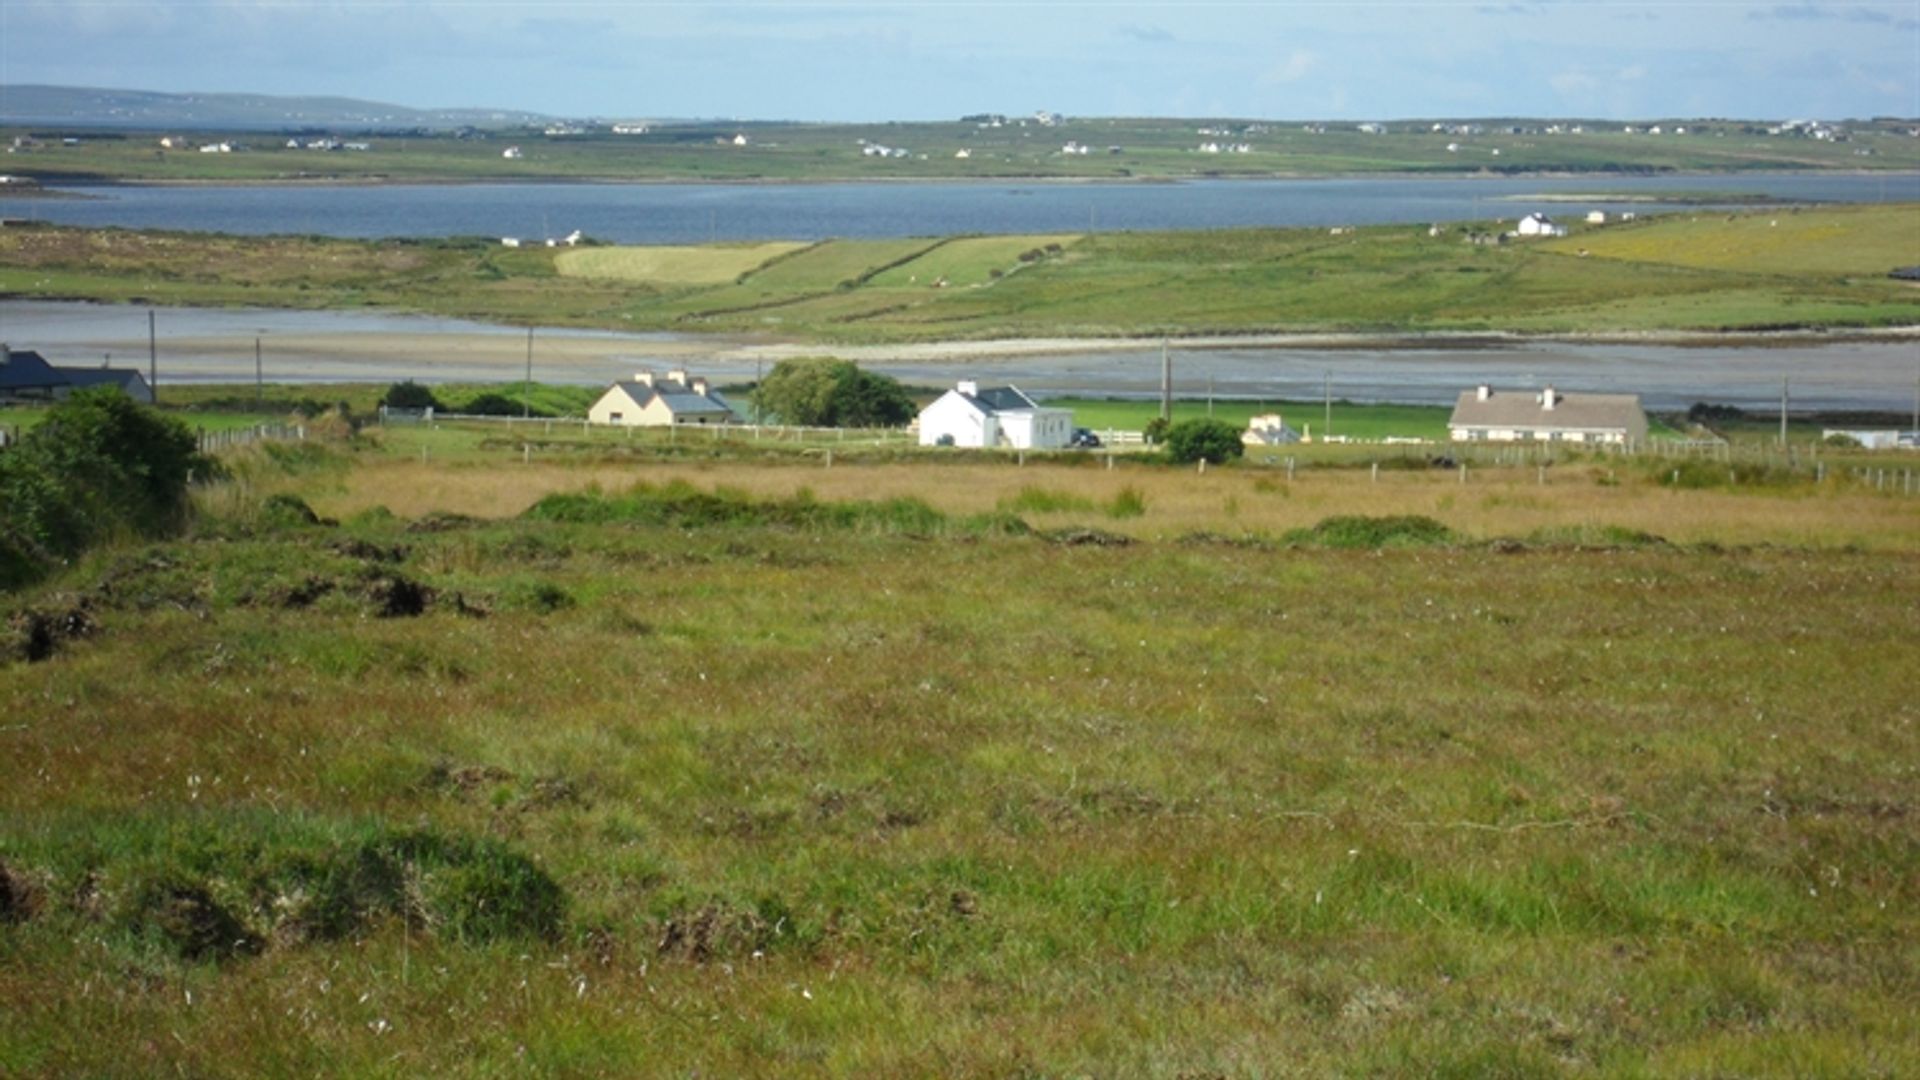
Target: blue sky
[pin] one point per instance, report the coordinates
(931, 60)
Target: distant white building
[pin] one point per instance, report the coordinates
(1539, 225)
(971, 416)
(1268, 430)
(1596, 217)
(511, 153)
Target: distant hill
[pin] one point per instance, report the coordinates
(92, 106)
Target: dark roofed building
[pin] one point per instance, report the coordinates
(129, 381)
(1488, 415)
(26, 376)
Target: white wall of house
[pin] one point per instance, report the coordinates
(1037, 429)
(616, 406)
(952, 420)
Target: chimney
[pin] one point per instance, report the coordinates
(677, 375)
(644, 378)
(700, 385)
(1548, 398)
(1483, 393)
(968, 387)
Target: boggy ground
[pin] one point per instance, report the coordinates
(662, 780)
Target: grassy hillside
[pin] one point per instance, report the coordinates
(949, 766)
(1753, 270)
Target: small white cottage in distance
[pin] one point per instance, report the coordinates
(995, 416)
(647, 400)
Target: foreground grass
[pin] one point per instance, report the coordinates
(835, 780)
(1817, 268)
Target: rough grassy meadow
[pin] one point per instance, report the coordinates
(630, 761)
(1756, 270)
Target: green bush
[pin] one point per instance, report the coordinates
(1155, 432)
(100, 465)
(1214, 441)
(409, 395)
(819, 391)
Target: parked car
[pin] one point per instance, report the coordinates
(1084, 439)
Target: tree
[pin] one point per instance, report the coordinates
(820, 391)
(409, 395)
(1214, 441)
(98, 465)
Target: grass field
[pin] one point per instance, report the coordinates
(668, 266)
(1816, 268)
(773, 768)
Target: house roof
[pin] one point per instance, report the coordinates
(85, 376)
(995, 399)
(25, 370)
(1572, 412)
(678, 400)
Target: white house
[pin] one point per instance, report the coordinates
(1596, 217)
(1539, 225)
(649, 401)
(1486, 415)
(510, 153)
(996, 416)
(1268, 430)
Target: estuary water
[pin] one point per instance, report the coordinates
(217, 345)
(692, 213)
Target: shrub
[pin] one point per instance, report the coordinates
(409, 395)
(1156, 431)
(820, 391)
(496, 404)
(1214, 441)
(99, 465)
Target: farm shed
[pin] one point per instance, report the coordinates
(647, 400)
(996, 416)
(1488, 415)
(130, 382)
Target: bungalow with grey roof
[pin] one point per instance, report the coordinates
(647, 400)
(1488, 415)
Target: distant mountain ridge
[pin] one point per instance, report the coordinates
(93, 106)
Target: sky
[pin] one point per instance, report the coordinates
(871, 61)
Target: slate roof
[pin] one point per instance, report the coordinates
(78, 377)
(1571, 412)
(995, 399)
(682, 402)
(25, 370)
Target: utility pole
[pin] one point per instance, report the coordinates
(758, 367)
(1326, 394)
(526, 388)
(259, 387)
(153, 359)
(1166, 383)
(1783, 412)
(1209, 395)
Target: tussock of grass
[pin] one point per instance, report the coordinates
(1359, 531)
(680, 505)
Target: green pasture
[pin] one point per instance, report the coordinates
(1819, 268)
(670, 266)
(971, 260)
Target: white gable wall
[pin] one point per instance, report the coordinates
(955, 418)
(1037, 429)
